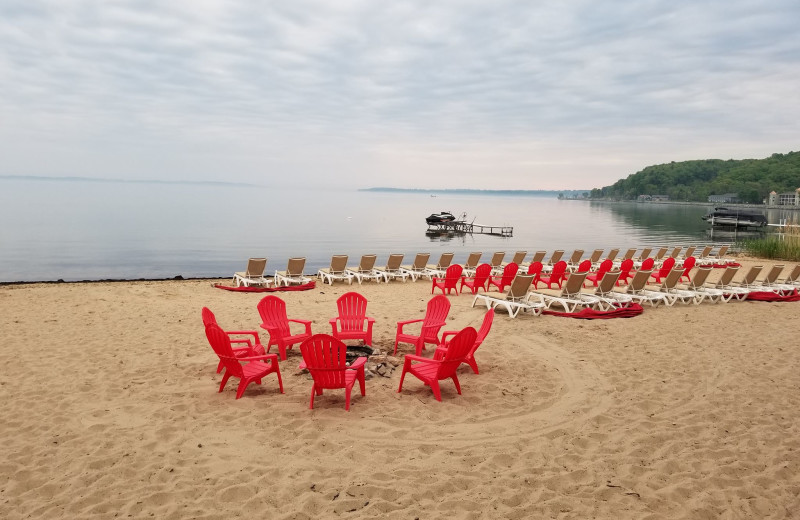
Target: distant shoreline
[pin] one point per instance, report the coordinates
(468, 191)
(692, 203)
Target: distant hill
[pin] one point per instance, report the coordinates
(459, 191)
(751, 179)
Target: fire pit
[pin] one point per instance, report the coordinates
(357, 351)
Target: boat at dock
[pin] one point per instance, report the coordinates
(438, 218)
(737, 218)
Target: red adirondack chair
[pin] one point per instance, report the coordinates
(664, 270)
(688, 265)
(253, 348)
(509, 272)
(273, 315)
(325, 357)
(431, 371)
(605, 266)
(353, 322)
(253, 369)
(434, 320)
(584, 266)
(440, 352)
(625, 269)
(450, 281)
(535, 269)
(557, 276)
(478, 281)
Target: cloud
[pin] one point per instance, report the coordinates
(569, 95)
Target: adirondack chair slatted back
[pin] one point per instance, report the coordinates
(688, 265)
(639, 280)
(435, 317)
(576, 256)
(486, 326)
(482, 274)
(585, 266)
(700, 277)
(559, 271)
(605, 266)
(338, 264)
(393, 264)
(625, 269)
(574, 283)
(457, 350)
(295, 266)
(538, 256)
(519, 287)
(596, 255)
(666, 267)
(535, 268)
(273, 315)
(497, 258)
(772, 274)
(509, 272)
(672, 279)
(367, 263)
(519, 257)
(472, 260)
(352, 309)
(648, 264)
(256, 267)
(208, 317)
(607, 282)
(452, 276)
(727, 276)
(326, 360)
(221, 344)
(556, 257)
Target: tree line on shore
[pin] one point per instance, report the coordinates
(750, 179)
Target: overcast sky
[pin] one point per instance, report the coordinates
(468, 94)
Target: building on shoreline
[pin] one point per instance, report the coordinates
(725, 198)
(791, 198)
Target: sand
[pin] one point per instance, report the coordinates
(110, 409)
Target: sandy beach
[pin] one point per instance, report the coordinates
(110, 409)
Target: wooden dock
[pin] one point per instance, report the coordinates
(460, 226)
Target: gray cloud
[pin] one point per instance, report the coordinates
(574, 94)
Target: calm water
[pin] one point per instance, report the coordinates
(75, 230)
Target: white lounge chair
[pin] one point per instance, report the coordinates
(791, 282)
(293, 273)
(473, 260)
(438, 270)
(610, 299)
(337, 270)
(637, 290)
(732, 289)
(497, 262)
(416, 269)
(392, 269)
(254, 275)
(515, 300)
(570, 297)
(365, 270)
(669, 286)
(698, 285)
(554, 259)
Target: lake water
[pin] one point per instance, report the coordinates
(77, 230)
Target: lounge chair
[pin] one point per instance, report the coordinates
(609, 298)
(392, 269)
(254, 369)
(450, 281)
(445, 259)
(688, 253)
(518, 258)
(365, 270)
(472, 263)
(793, 278)
(514, 300)
(669, 286)
(274, 319)
(575, 259)
(719, 256)
(638, 262)
(750, 279)
(595, 257)
(352, 321)
(676, 252)
(605, 266)
(431, 323)
(570, 297)
(416, 269)
(659, 256)
(770, 281)
(497, 262)
(698, 285)
(441, 350)
(293, 273)
(431, 371)
(702, 256)
(253, 275)
(325, 357)
(554, 259)
(479, 281)
(637, 289)
(538, 256)
(337, 270)
(731, 288)
(612, 255)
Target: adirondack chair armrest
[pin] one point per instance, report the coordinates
(445, 334)
(270, 357)
(401, 324)
(244, 333)
(413, 357)
(244, 340)
(305, 323)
